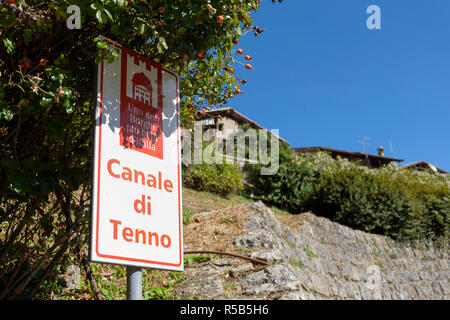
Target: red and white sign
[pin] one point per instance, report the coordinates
(136, 192)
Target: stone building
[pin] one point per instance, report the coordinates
(365, 159)
(424, 166)
(223, 123)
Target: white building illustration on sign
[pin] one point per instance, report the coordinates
(142, 89)
(141, 82)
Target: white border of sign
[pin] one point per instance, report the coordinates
(114, 252)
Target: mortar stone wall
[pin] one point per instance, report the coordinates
(325, 260)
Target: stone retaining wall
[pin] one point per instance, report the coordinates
(321, 260)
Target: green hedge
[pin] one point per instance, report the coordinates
(221, 179)
(392, 201)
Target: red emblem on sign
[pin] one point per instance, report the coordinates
(141, 105)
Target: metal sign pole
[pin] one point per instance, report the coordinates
(134, 283)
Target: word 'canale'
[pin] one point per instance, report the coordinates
(135, 175)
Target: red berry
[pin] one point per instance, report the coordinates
(26, 63)
(197, 220)
(219, 19)
(240, 51)
(249, 66)
(43, 62)
(161, 9)
(248, 58)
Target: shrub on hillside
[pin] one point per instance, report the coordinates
(396, 202)
(222, 179)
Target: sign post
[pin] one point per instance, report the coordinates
(134, 283)
(136, 216)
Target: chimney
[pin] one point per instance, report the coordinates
(380, 151)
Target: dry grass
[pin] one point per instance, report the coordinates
(293, 221)
(198, 201)
(217, 229)
(215, 232)
(221, 220)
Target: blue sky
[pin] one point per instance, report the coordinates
(324, 79)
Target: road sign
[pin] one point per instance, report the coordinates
(136, 191)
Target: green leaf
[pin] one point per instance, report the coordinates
(141, 28)
(9, 45)
(238, 31)
(122, 3)
(159, 47)
(99, 16)
(27, 35)
(101, 45)
(7, 115)
(67, 106)
(163, 42)
(108, 14)
(45, 102)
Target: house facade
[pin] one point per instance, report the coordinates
(223, 125)
(365, 159)
(224, 122)
(424, 166)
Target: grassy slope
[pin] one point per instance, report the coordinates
(199, 201)
(157, 284)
